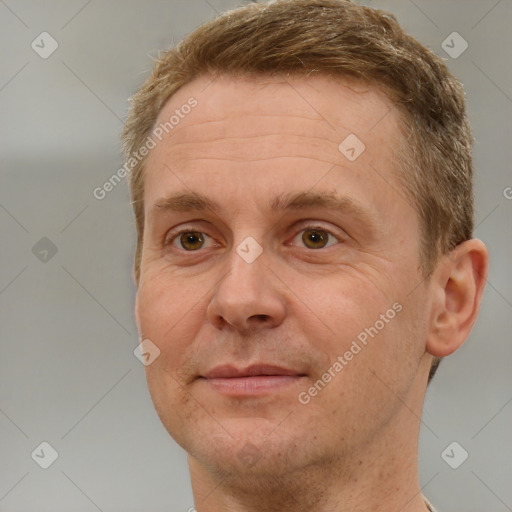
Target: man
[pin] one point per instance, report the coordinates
(302, 187)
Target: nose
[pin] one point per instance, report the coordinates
(247, 297)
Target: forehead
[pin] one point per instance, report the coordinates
(330, 103)
(285, 131)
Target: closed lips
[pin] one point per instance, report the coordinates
(232, 372)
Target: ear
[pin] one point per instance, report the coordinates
(458, 284)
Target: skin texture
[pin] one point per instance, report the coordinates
(300, 304)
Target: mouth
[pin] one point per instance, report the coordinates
(251, 381)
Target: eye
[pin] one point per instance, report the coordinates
(189, 240)
(314, 237)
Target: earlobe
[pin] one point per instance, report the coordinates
(458, 282)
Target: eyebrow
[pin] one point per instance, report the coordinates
(197, 202)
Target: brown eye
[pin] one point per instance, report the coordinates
(315, 238)
(191, 240)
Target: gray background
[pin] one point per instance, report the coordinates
(67, 369)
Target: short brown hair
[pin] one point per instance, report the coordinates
(341, 39)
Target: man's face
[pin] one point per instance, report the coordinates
(244, 336)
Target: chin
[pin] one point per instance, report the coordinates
(254, 447)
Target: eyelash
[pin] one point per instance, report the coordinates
(169, 241)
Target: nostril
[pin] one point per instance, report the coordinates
(260, 317)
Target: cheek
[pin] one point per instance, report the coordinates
(341, 305)
(366, 323)
(390, 358)
(169, 315)
(173, 404)
(375, 377)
